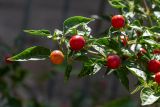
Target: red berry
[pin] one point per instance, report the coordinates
(118, 21)
(156, 51)
(77, 42)
(141, 52)
(124, 40)
(57, 57)
(157, 77)
(113, 61)
(154, 66)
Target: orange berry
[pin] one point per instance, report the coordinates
(56, 57)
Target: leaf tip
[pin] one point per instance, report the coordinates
(9, 59)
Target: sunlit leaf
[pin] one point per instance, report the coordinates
(75, 22)
(148, 96)
(43, 33)
(32, 53)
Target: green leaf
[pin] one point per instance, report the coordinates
(102, 41)
(117, 3)
(113, 44)
(89, 68)
(84, 30)
(43, 33)
(155, 29)
(136, 25)
(74, 22)
(96, 68)
(57, 34)
(150, 42)
(68, 71)
(157, 14)
(122, 75)
(127, 53)
(148, 96)
(147, 33)
(32, 53)
(138, 73)
(81, 57)
(137, 89)
(99, 49)
(87, 29)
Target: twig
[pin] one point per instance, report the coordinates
(147, 12)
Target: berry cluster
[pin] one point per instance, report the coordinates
(113, 61)
(121, 50)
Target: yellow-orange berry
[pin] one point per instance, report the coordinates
(56, 57)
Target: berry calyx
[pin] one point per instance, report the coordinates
(124, 40)
(113, 61)
(156, 51)
(139, 33)
(56, 57)
(141, 52)
(157, 77)
(154, 66)
(77, 42)
(118, 21)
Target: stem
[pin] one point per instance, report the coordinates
(125, 37)
(147, 12)
(61, 43)
(146, 6)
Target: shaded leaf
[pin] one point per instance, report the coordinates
(155, 29)
(122, 75)
(68, 71)
(114, 45)
(89, 68)
(81, 57)
(102, 41)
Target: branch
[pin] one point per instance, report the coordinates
(147, 12)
